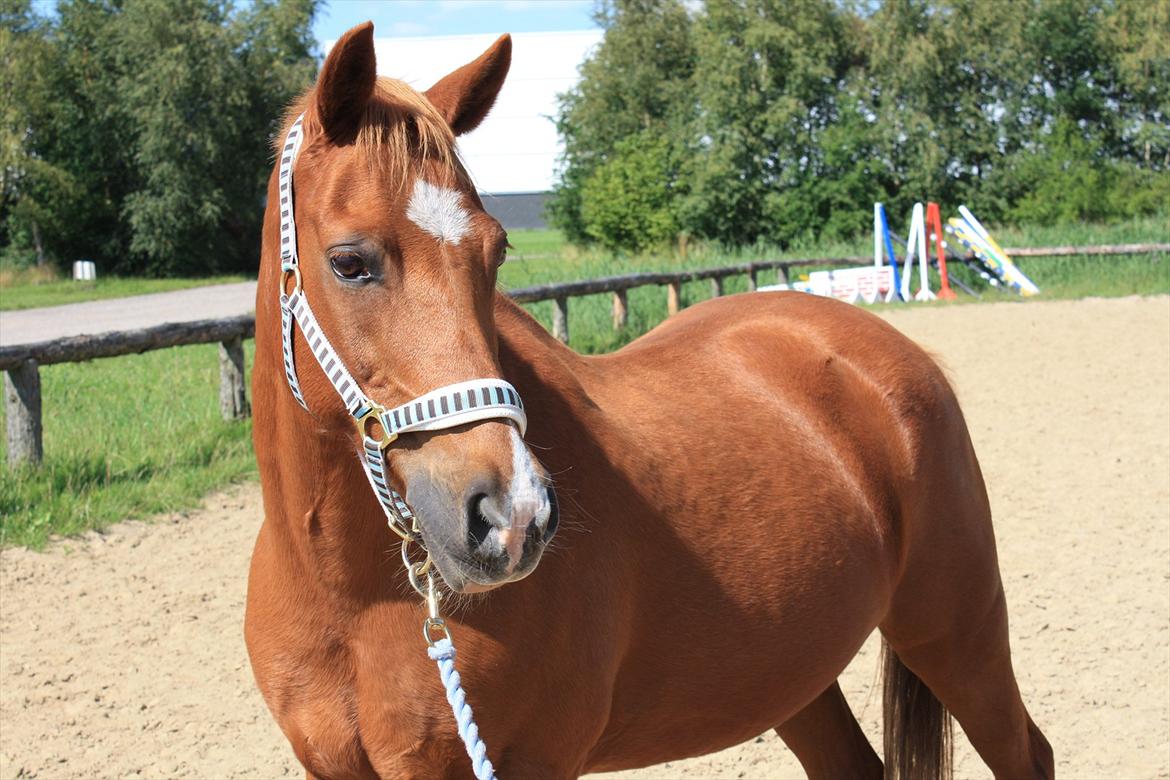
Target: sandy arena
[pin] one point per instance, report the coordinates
(121, 654)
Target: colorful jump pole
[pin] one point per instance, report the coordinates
(895, 286)
(916, 245)
(934, 224)
(999, 266)
(877, 252)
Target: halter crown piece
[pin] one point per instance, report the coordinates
(444, 407)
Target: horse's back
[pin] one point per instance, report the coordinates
(771, 363)
(817, 407)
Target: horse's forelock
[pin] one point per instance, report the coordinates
(399, 131)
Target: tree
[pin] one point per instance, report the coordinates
(637, 82)
(1136, 31)
(161, 114)
(767, 79)
(196, 80)
(627, 202)
(32, 189)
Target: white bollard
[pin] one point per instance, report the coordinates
(84, 270)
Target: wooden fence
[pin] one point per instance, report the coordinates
(21, 363)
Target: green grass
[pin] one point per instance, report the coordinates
(590, 329)
(1083, 277)
(1079, 276)
(21, 293)
(132, 436)
(529, 243)
(1140, 230)
(125, 437)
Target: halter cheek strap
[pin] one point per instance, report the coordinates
(444, 407)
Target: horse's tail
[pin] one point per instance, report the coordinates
(917, 725)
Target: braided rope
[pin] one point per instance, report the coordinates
(443, 653)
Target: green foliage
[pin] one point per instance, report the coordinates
(32, 189)
(638, 81)
(766, 81)
(788, 119)
(143, 129)
(628, 199)
(1070, 182)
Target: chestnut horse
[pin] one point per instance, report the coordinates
(747, 492)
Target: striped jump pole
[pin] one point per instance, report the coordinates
(895, 285)
(918, 238)
(934, 225)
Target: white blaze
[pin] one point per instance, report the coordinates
(439, 211)
(529, 500)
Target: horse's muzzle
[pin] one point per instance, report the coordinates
(490, 535)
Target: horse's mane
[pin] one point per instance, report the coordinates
(399, 130)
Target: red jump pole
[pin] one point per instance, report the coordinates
(934, 222)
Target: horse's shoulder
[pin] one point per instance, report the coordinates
(836, 360)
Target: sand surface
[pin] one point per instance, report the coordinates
(121, 654)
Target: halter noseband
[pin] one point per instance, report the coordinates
(444, 407)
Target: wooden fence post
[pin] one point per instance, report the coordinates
(782, 273)
(233, 400)
(716, 286)
(561, 319)
(752, 283)
(22, 405)
(672, 295)
(621, 309)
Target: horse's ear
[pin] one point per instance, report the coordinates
(346, 82)
(465, 96)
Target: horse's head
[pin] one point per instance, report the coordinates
(399, 259)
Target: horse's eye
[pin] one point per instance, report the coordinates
(503, 254)
(349, 266)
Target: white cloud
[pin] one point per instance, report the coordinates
(529, 5)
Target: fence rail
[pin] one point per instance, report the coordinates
(21, 362)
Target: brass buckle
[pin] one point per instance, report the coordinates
(374, 415)
(434, 621)
(295, 272)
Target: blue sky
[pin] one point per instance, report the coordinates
(394, 18)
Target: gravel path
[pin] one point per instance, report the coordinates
(121, 654)
(140, 311)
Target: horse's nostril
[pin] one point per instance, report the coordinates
(478, 526)
(554, 515)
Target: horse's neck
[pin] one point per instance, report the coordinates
(531, 358)
(566, 423)
(318, 506)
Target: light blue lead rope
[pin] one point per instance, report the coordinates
(443, 653)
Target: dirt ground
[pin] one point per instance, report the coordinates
(121, 654)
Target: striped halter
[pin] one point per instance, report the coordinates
(445, 407)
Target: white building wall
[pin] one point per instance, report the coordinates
(516, 147)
